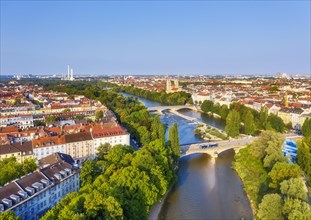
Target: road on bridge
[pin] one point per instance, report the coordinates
(221, 144)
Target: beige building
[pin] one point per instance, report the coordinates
(21, 151)
(80, 146)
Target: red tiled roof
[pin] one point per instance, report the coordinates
(9, 129)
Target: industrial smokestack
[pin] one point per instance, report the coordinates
(68, 72)
(71, 77)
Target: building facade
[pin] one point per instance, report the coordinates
(22, 121)
(31, 196)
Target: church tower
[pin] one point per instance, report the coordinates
(168, 86)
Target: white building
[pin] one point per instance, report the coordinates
(31, 196)
(44, 146)
(200, 97)
(112, 135)
(21, 121)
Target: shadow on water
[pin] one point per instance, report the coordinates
(206, 190)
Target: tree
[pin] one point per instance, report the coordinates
(99, 206)
(79, 117)
(249, 123)
(295, 209)
(263, 117)
(270, 207)
(276, 123)
(233, 123)
(8, 215)
(38, 123)
(103, 150)
(173, 138)
(66, 110)
(99, 115)
(88, 172)
(283, 171)
(304, 156)
(294, 188)
(268, 148)
(10, 169)
(29, 165)
(224, 111)
(50, 119)
(252, 173)
(306, 127)
(207, 106)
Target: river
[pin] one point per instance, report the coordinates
(204, 190)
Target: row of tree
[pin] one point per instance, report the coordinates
(275, 187)
(242, 119)
(176, 98)
(122, 183)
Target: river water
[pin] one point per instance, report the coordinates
(204, 190)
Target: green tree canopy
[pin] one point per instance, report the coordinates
(79, 117)
(304, 156)
(306, 127)
(103, 150)
(99, 115)
(270, 207)
(233, 123)
(224, 111)
(295, 209)
(276, 123)
(207, 106)
(283, 171)
(173, 138)
(8, 215)
(88, 172)
(249, 123)
(10, 169)
(294, 188)
(50, 119)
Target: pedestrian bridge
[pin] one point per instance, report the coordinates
(172, 108)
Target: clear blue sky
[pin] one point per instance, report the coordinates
(228, 37)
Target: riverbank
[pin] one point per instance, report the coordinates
(251, 202)
(156, 208)
(207, 132)
(200, 179)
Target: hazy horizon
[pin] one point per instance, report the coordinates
(155, 38)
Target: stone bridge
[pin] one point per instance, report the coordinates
(172, 108)
(235, 144)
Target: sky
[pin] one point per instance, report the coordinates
(155, 37)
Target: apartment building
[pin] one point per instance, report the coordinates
(21, 151)
(44, 146)
(31, 196)
(80, 145)
(113, 135)
(21, 121)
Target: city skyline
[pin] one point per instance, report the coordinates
(141, 38)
